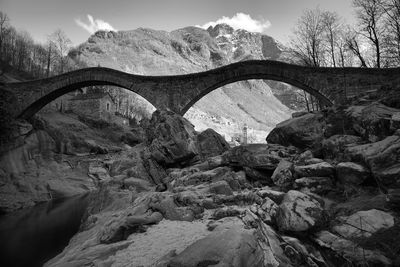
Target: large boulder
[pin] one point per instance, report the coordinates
(283, 174)
(317, 185)
(171, 138)
(211, 143)
(304, 132)
(299, 212)
(334, 146)
(372, 122)
(363, 223)
(351, 173)
(382, 158)
(230, 246)
(258, 156)
(350, 251)
(137, 162)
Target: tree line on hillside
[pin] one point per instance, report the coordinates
(19, 50)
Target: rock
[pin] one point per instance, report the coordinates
(227, 212)
(373, 122)
(393, 198)
(351, 173)
(211, 143)
(350, 251)
(84, 254)
(335, 146)
(243, 198)
(137, 162)
(97, 171)
(312, 161)
(216, 161)
(298, 253)
(221, 188)
(258, 156)
(395, 121)
(299, 212)
(322, 169)
(139, 184)
(258, 175)
(304, 132)
(166, 205)
(171, 138)
(196, 178)
(234, 246)
(363, 223)
(299, 114)
(382, 158)
(59, 189)
(154, 170)
(98, 150)
(317, 185)
(269, 209)
(276, 196)
(134, 137)
(23, 128)
(119, 228)
(303, 157)
(283, 174)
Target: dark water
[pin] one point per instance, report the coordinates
(32, 236)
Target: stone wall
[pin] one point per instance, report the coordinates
(86, 107)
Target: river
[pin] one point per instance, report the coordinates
(32, 236)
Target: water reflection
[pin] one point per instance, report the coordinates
(32, 236)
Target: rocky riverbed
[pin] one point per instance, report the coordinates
(324, 191)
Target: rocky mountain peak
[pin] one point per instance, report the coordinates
(220, 29)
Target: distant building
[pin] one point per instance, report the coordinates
(93, 104)
(244, 135)
(96, 103)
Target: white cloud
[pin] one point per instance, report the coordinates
(241, 21)
(94, 25)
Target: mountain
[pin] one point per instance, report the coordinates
(192, 49)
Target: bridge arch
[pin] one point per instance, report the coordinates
(51, 88)
(43, 101)
(323, 99)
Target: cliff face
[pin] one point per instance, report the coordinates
(192, 49)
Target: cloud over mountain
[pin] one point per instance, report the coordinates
(94, 25)
(241, 21)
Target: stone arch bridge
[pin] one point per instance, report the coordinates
(179, 92)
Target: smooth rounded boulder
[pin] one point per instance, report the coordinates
(304, 132)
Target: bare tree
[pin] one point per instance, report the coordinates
(370, 18)
(307, 43)
(392, 36)
(353, 43)
(332, 27)
(62, 45)
(3, 26)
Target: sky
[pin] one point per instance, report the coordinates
(80, 18)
